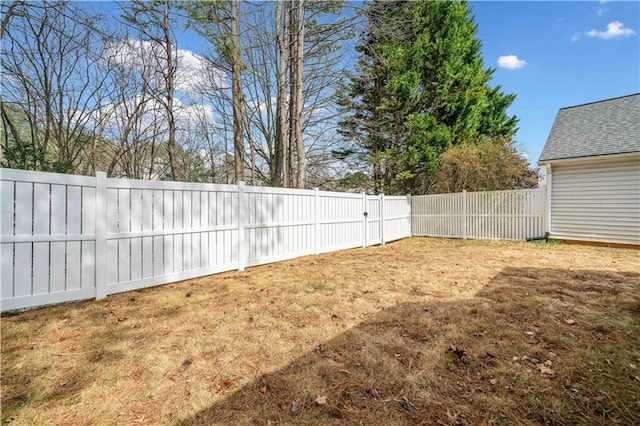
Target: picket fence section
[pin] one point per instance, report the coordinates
(504, 215)
(66, 238)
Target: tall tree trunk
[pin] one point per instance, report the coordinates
(282, 27)
(297, 85)
(292, 181)
(236, 90)
(169, 76)
(252, 153)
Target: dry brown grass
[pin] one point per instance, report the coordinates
(418, 331)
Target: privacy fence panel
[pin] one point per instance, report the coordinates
(397, 217)
(341, 222)
(280, 224)
(161, 232)
(47, 240)
(439, 215)
(507, 215)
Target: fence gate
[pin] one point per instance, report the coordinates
(373, 219)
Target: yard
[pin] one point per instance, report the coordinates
(422, 330)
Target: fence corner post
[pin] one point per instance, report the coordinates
(101, 236)
(316, 220)
(242, 244)
(464, 214)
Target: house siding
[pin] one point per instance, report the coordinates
(597, 201)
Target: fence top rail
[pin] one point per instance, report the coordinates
(343, 194)
(168, 185)
(276, 190)
(507, 191)
(45, 177)
(451, 195)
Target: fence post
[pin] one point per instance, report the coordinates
(242, 249)
(316, 230)
(382, 224)
(410, 218)
(464, 214)
(364, 219)
(101, 236)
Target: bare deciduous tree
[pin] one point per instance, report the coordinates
(282, 29)
(49, 75)
(131, 115)
(296, 87)
(270, 107)
(154, 20)
(219, 23)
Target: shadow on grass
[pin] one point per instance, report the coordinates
(534, 346)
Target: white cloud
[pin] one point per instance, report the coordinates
(602, 11)
(511, 62)
(575, 37)
(614, 30)
(151, 121)
(193, 71)
(190, 115)
(129, 53)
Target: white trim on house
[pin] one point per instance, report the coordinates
(592, 159)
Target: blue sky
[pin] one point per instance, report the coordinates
(570, 57)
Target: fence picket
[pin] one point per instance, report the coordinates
(73, 248)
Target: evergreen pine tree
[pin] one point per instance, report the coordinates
(420, 87)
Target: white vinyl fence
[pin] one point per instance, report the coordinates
(66, 238)
(504, 215)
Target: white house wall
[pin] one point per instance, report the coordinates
(596, 200)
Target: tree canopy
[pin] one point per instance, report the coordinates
(420, 87)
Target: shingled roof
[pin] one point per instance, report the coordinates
(605, 127)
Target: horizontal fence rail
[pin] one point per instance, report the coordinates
(66, 238)
(504, 215)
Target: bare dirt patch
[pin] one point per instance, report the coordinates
(418, 331)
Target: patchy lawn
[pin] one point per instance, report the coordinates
(418, 331)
